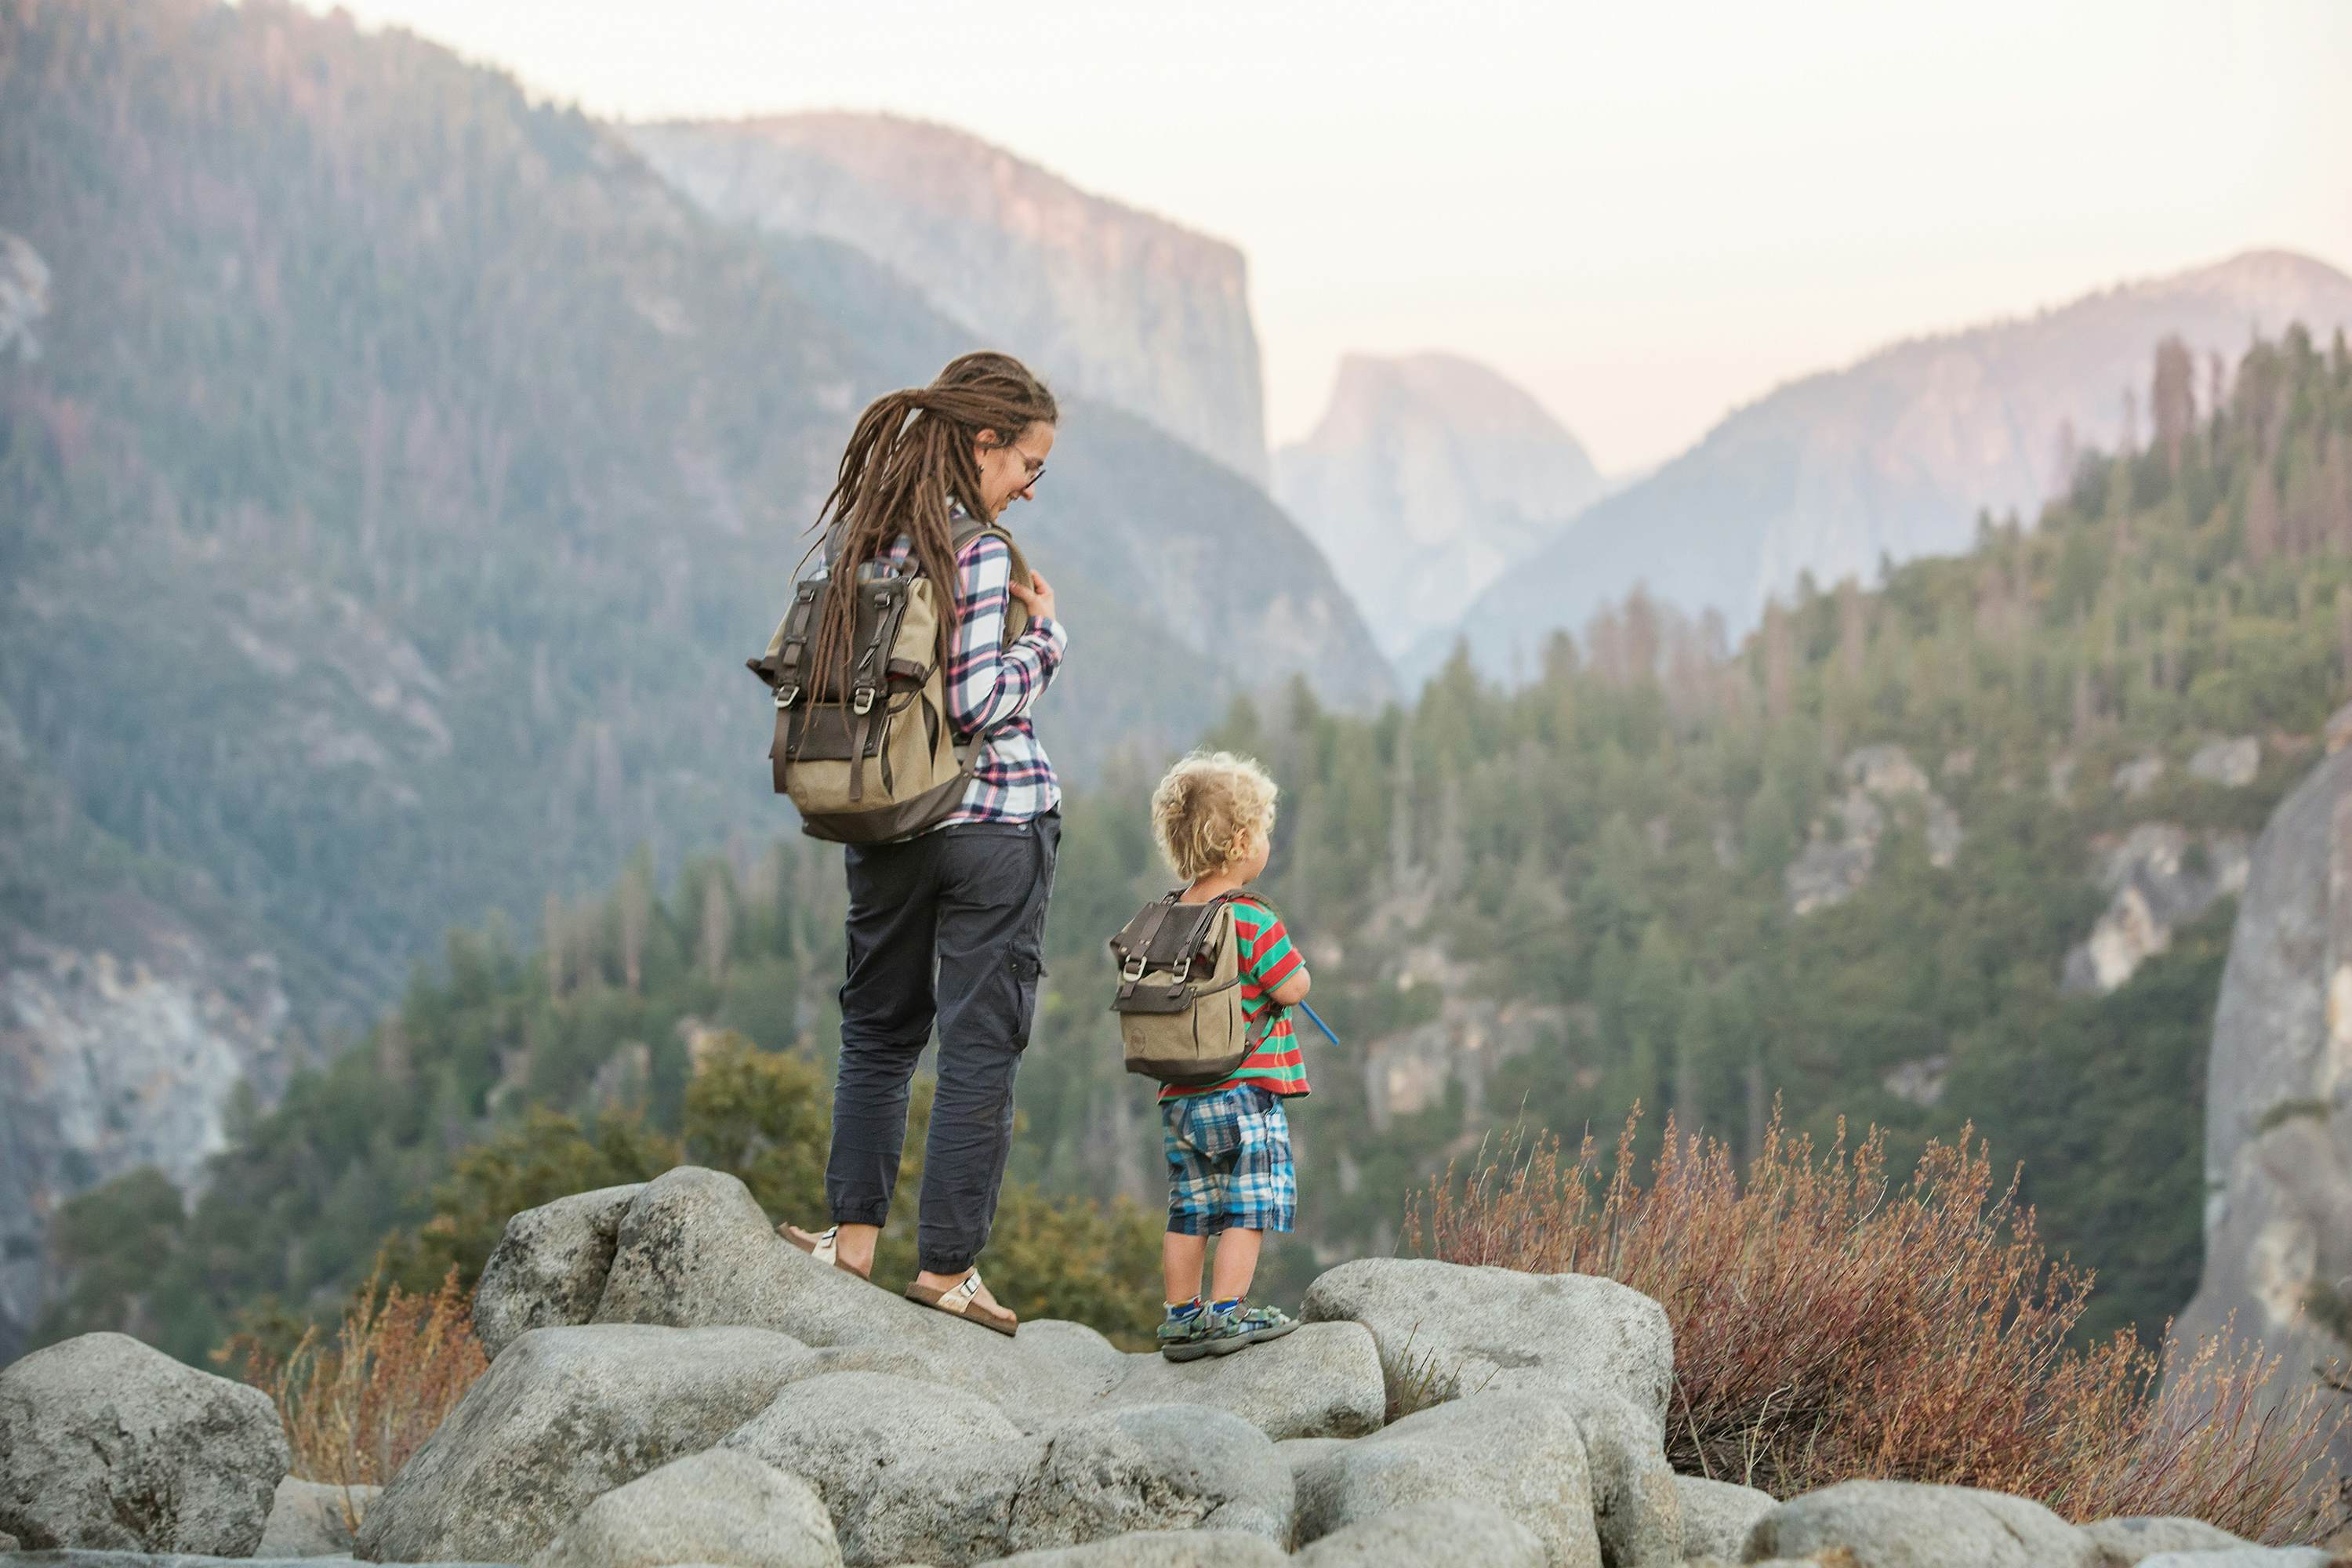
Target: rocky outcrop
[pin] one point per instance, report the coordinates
(1107, 299)
(721, 1506)
(117, 1057)
(1899, 1524)
(1599, 1350)
(1893, 458)
(550, 1266)
(1520, 1454)
(1719, 1515)
(873, 1433)
(563, 1416)
(107, 1444)
(2160, 878)
(1837, 860)
(314, 1518)
(2278, 1139)
(1427, 476)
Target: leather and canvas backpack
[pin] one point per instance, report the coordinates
(874, 756)
(1180, 993)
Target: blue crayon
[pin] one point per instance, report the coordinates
(1319, 1024)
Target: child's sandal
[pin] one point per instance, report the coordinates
(825, 1246)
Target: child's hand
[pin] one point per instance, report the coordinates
(1036, 596)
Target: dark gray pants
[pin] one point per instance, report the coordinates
(946, 927)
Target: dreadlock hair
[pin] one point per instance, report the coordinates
(912, 450)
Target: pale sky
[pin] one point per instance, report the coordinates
(1646, 215)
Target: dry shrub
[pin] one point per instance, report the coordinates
(1828, 1325)
(355, 1409)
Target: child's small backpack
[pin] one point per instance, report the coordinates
(1180, 993)
(875, 759)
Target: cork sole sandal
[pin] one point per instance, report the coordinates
(963, 1301)
(825, 1246)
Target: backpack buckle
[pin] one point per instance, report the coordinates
(1132, 972)
(864, 700)
(787, 695)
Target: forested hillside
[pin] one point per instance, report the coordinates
(396, 473)
(1958, 850)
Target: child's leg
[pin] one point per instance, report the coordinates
(1180, 1262)
(1237, 1252)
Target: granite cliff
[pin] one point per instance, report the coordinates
(1427, 476)
(1102, 299)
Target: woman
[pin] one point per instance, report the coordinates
(947, 926)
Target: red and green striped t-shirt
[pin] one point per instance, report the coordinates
(1267, 960)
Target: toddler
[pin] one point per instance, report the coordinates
(1229, 1168)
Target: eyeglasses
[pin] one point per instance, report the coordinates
(1037, 467)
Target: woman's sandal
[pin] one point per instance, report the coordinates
(825, 1246)
(962, 1300)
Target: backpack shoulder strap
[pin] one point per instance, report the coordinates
(969, 528)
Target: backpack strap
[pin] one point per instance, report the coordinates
(1016, 614)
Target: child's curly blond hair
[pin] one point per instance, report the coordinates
(1206, 810)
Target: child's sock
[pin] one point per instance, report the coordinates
(1229, 1306)
(1185, 1312)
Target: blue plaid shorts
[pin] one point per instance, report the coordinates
(1229, 1161)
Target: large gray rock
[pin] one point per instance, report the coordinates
(2122, 1542)
(73, 1557)
(1158, 1549)
(107, 1443)
(914, 1471)
(2278, 1142)
(313, 1519)
(720, 1506)
(1717, 1515)
(2247, 1557)
(1321, 1381)
(1905, 1524)
(1520, 1452)
(1598, 1349)
(548, 1270)
(563, 1416)
(1455, 1534)
(911, 1472)
(1155, 1468)
(694, 1249)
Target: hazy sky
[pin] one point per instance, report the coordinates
(1645, 213)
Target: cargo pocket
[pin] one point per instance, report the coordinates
(1026, 964)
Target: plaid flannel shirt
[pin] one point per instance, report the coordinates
(992, 686)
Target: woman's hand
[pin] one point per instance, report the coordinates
(1036, 596)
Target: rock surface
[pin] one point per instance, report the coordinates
(548, 1268)
(915, 1472)
(106, 1443)
(2232, 764)
(720, 1506)
(693, 1248)
(1717, 1515)
(312, 1519)
(1520, 1452)
(1158, 1549)
(1455, 1534)
(1601, 1351)
(2122, 1542)
(2278, 1144)
(563, 1416)
(1902, 1524)
(1838, 858)
(2158, 878)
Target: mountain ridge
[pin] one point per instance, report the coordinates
(1134, 308)
(1894, 455)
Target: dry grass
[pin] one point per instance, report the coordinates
(1830, 1324)
(355, 1409)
